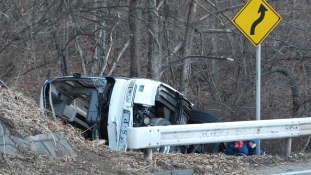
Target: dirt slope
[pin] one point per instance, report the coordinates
(23, 116)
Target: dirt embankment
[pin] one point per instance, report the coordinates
(24, 118)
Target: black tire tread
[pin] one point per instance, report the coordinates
(198, 116)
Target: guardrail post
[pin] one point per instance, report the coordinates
(287, 147)
(148, 154)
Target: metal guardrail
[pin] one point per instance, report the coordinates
(155, 136)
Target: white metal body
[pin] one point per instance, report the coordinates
(155, 136)
(115, 112)
(124, 94)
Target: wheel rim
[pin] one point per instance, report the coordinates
(161, 122)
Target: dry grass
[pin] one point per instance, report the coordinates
(24, 118)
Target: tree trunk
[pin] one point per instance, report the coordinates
(61, 55)
(154, 46)
(306, 103)
(135, 25)
(293, 84)
(295, 96)
(186, 48)
(215, 70)
(95, 65)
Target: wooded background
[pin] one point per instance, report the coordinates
(183, 43)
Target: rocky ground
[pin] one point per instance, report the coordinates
(23, 117)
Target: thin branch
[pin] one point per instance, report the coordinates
(218, 9)
(125, 45)
(82, 56)
(155, 38)
(2, 82)
(216, 30)
(159, 5)
(104, 65)
(193, 56)
(213, 14)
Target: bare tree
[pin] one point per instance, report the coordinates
(154, 45)
(40, 39)
(186, 48)
(135, 16)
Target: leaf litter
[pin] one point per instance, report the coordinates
(23, 117)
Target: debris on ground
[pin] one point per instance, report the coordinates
(23, 118)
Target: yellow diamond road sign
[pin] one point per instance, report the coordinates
(256, 20)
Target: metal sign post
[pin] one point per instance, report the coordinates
(256, 20)
(258, 86)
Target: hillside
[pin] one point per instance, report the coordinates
(22, 116)
(45, 39)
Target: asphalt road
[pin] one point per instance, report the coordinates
(287, 169)
(306, 172)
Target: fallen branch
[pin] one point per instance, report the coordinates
(4, 85)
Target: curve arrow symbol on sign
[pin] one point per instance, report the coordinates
(262, 10)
